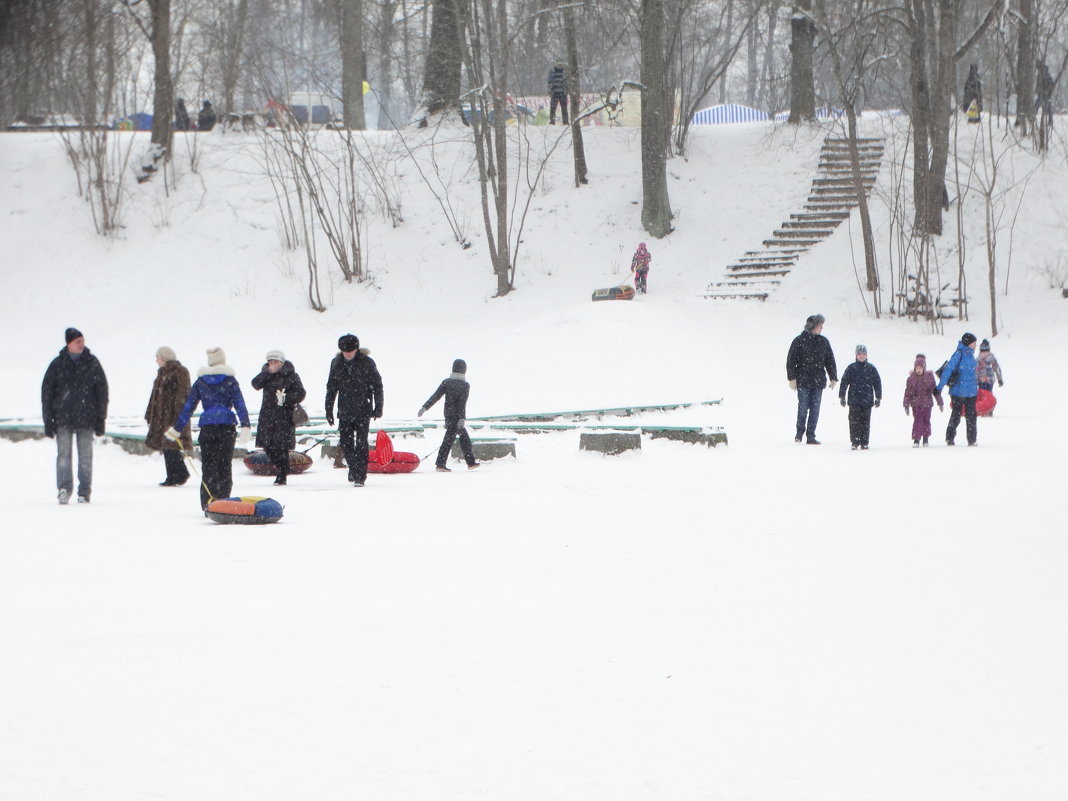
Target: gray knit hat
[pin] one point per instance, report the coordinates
(167, 354)
(275, 356)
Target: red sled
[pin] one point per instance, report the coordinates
(383, 459)
(985, 402)
(624, 292)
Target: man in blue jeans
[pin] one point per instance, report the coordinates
(809, 362)
(74, 405)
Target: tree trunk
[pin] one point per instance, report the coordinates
(441, 82)
(352, 63)
(576, 95)
(802, 81)
(163, 104)
(656, 121)
(232, 55)
(1025, 69)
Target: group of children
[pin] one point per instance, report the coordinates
(861, 390)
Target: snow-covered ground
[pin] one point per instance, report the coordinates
(761, 621)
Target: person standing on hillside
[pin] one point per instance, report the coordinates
(169, 392)
(217, 390)
(74, 405)
(356, 383)
(959, 374)
(558, 89)
(861, 389)
(206, 118)
(809, 362)
(455, 390)
(181, 115)
(275, 431)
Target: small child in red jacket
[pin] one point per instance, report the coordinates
(920, 396)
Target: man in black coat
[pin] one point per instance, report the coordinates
(74, 405)
(355, 382)
(809, 362)
(455, 390)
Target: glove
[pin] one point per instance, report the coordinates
(421, 412)
(173, 434)
(843, 401)
(906, 411)
(244, 436)
(280, 396)
(376, 414)
(99, 429)
(1001, 383)
(793, 385)
(330, 417)
(50, 430)
(463, 423)
(834, 383)
(877, 403)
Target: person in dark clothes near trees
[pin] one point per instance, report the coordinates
(455, 390)
(809, 362)
(206, 117)
(356, 383)
(558, 89)
(217, 390)
(181, 115)
(74, 405)
(963, 390)
(169, 392)
(861, 389)
(275, 431)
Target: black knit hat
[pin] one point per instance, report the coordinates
(968, 338)
(348, 342)
(71, 334)
(459, 366)
(984, 345)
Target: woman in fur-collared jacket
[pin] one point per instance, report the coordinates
(282, 390)
(168, 393)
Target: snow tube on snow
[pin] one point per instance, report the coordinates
(985, 402)
(246, 510)
(258, 463)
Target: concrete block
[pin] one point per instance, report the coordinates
(610, 443)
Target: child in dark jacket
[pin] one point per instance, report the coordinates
(861, 388)
(920, 396)
(455, 390)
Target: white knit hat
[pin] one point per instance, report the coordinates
(216, 356)
(166, 353)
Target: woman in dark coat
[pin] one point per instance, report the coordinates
(282, 390)
(168, 394)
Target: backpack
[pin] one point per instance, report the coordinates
(954, 377)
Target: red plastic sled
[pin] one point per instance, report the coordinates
(258, 463)
(985, 402)
(383, 459)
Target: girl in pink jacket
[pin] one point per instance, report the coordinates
(920, 396)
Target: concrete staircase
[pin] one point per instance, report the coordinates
(755, 274)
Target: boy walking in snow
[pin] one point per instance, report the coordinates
(920, 396)
(861, 388)
(987, 369)
(455, 390)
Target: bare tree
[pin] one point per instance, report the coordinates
(656, 121)
(802, 80)
(441, 81)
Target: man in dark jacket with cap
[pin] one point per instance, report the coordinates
(455, 390)
(74, 405)
(355, 382)
(809, 362)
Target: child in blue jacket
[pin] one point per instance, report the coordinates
(861, 388)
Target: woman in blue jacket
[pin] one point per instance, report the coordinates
(218, 392)
(963, 389)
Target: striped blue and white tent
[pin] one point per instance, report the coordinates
(727, 113)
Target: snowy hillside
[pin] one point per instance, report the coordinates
(761, 620)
